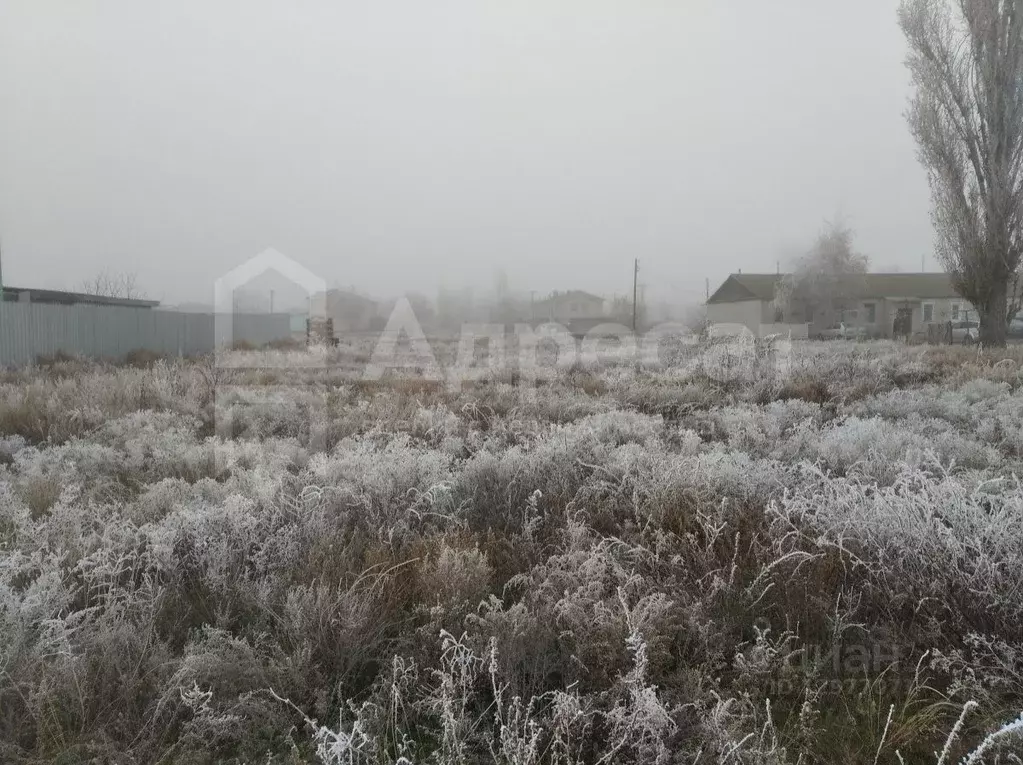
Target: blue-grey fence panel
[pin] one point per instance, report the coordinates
(30, 330)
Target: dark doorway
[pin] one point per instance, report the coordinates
(903, 322)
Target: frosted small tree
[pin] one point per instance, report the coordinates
(826, 280)
(695, 319)
(966, 62)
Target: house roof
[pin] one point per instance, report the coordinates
(71, 298)
(571, 295)
(740, 287)
(339, 295)
(915, 285)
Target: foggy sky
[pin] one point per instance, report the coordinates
(401, 145)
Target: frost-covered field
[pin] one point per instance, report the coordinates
(715, 563)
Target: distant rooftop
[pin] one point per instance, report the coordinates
(339, 294)
(33, 295)
(739, 287)
(569, 295)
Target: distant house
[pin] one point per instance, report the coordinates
(59, 297)
(565, 307)
(350, 311)
(875, 300)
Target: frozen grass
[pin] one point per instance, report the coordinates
(680, 562)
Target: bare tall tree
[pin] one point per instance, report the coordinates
(115, 285)
(824, 281)
(966, 61)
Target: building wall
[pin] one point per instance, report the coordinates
(565, 309)
(885, 318)
(353, 317)
(749, 313)
(940, 313)
(30, 330)
(350, 312)
(859, 315)
(754, 313)
(943, 309)
(885, 311)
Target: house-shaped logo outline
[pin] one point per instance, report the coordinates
(268, 260)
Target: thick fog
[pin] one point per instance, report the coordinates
(406, 145)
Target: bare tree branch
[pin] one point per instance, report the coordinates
(116, 285)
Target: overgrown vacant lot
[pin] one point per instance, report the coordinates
(728, 562)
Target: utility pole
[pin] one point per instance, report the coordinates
(706, 290)
(635, 285)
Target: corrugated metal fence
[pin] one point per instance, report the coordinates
(29, 330)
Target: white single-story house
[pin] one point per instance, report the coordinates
(565, 307)
(875, 300)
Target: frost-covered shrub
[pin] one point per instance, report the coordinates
(9, 446)
(435, 424)
(458, 577)
(757, 430)
(636, 563)
(611, 429)
(383, 478)
(987, 410)
(932, 541)
(53, 409)
(876, 448)
(666, 395)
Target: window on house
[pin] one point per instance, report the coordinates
(871, 310)
(928, 312)
(955, 311)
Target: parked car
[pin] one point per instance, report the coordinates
(843, 331)
(966, 331)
